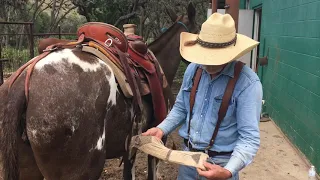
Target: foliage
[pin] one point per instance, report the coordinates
(71, 23)
(102, 10)
(149, 15)
(42, 23)
(16, 58)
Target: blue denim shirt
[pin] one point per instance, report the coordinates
(239, 130)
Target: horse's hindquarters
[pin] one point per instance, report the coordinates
(68, 99)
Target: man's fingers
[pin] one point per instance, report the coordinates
(208, 165)
(199, 170)
(153, 132)
(149, 132)
(203, 173)
(145, 133)
(157, 138)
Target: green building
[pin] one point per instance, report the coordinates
(289, 34)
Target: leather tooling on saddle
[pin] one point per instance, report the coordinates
(136, 69)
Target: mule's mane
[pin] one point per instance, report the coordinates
(167, 31)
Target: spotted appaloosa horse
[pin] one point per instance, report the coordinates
(74, 119)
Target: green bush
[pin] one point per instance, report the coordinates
(16, 58)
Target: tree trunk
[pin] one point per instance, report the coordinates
(53, 14)
(21, 37)
(142, 20)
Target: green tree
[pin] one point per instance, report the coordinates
(149, 15)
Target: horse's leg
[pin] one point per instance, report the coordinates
(153, 165)
(129, 168)
(152, 168)
(27, 164)
(147, 122)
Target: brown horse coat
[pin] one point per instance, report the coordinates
(75, 116)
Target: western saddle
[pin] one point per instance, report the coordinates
(136, 69)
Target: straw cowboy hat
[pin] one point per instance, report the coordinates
(217, 43)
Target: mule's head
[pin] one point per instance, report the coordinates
(166, 46)
(188, 20)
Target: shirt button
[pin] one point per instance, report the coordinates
(206, 99)
(197, 132)
(201, 115)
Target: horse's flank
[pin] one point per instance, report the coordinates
(71, 109)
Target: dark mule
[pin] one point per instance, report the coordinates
(75, 116)
(166, 47)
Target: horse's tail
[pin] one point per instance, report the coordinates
(13, 109)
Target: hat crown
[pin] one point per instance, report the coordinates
(218, 28)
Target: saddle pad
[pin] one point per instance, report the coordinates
(119, 75)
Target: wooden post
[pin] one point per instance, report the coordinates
(232, 8)
(59, 29)
(214, 6)
(31, 40)
(1, 66)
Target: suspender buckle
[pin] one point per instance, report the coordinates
(188, 143)
(206, 150)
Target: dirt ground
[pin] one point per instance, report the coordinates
(276, 158)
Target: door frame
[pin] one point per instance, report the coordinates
(256, 36)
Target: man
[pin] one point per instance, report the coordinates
(213, 53)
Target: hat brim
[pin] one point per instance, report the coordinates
(214, 56)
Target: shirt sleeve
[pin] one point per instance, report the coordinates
(178, 113)
(248, 117)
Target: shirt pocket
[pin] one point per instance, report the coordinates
(186, 96)
(230, 112)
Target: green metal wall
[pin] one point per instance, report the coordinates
(290, 29)
(242, 4)
(255, 3)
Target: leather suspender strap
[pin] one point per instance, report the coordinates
(225, 99)
(194, 88)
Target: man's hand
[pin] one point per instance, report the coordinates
(214, 172)
(157, 132)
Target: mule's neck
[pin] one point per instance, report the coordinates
(166, 50)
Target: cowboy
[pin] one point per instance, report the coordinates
(213, 53)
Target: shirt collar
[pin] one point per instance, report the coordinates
(228, 70)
